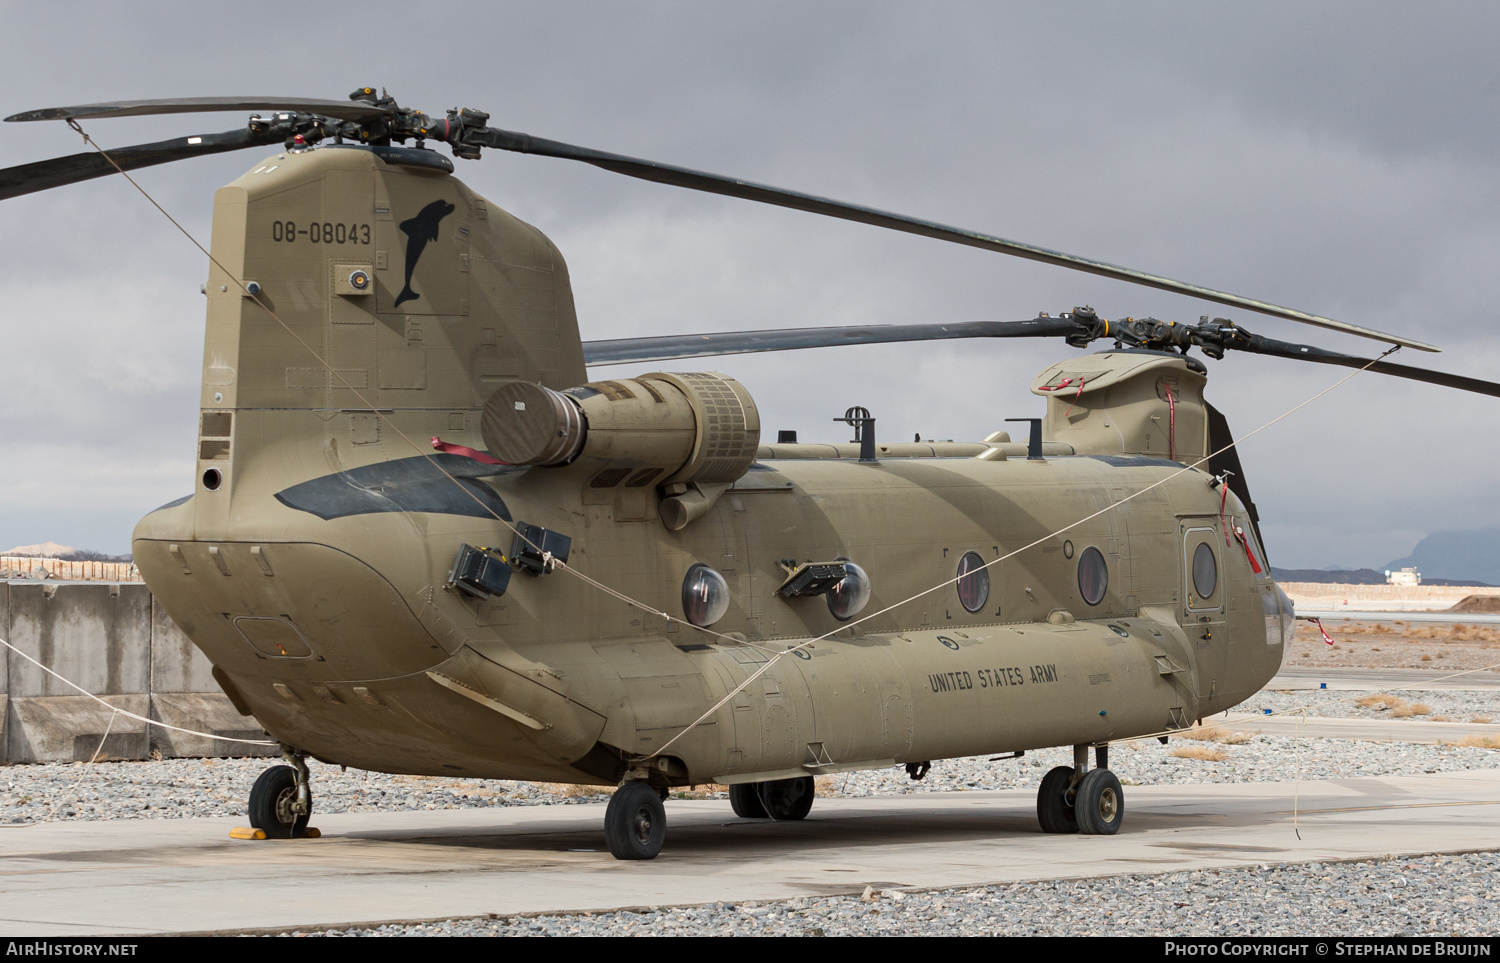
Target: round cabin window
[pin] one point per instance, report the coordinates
(1205, 571)
(705, 595)
(973, 582)
(1093, 575)
(846, 599)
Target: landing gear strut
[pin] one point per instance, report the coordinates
(778, 799)
(1075, 799)
(281, 799)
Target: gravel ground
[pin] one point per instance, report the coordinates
(1441, 705)
(1413, 645)
(185, 788)
(1258, 759)
(182, 788)
(1428, 896)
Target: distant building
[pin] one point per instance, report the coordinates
(1407, 576)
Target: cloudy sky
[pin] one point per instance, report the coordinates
(1338, 157)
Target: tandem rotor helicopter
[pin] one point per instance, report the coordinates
(621, 582)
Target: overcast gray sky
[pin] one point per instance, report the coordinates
(1339, 157)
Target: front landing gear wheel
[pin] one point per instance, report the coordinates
(745, 801)
(635, 824)
(273, 799)
(1100, 803)
(1054, 802)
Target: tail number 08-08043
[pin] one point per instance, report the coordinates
(321, 232)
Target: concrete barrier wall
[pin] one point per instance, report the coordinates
(4, 668)
(1379, 598)
(116, 642)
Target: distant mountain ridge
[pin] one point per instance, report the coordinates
(1474, 554)
(1358, 576)
(1362, 576)
(66, 553)
(44, 550)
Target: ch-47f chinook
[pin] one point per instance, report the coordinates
(617, 582)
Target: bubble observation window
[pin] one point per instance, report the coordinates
(851, 594)
(705, 595)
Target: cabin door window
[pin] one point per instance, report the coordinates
(1202, 568)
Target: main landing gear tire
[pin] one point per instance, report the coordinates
(787, 798)
(745, 801)
(1099, 803)
(272, 799)
(1054, 802)
(635, 824)
(779, 799)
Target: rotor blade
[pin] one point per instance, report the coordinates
(780, 197)
(1304, 352)
(673, 347)
(43, 175)
(341, 109)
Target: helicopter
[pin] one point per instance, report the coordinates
(421, 541)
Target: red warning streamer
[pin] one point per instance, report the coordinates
(1171, 423)
(479, 456)
(1239, 533)
(1063, 384)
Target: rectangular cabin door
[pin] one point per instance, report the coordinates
(1202, 611)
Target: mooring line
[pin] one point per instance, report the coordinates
(128, 714)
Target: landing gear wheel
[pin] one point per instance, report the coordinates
(1100, 803)
(272, 799)
(1054, 810)
(635, 824)
(745, 801)
(787, 798)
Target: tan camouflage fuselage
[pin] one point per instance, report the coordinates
(311, 564)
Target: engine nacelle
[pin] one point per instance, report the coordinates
(659, 429)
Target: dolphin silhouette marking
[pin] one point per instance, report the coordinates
(419, 230)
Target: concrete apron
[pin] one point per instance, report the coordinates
(163, 876)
